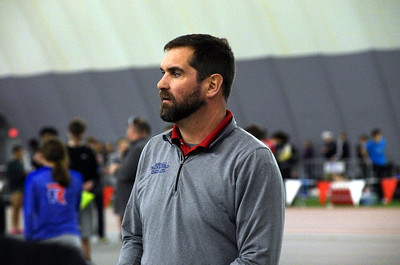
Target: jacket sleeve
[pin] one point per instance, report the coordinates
(132, 248)
(260, 206)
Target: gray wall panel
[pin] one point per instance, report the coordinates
(302, 96)
(258, 94)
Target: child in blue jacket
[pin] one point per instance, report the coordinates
(52, 198)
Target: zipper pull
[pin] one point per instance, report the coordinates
(179, 172)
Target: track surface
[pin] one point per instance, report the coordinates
(313, 236)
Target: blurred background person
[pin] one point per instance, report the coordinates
(308, 159)
(45, 133)
(363, 160)
(34, 148)
(343, 151)
(83, 160)
(116, 157)
(52, 199)
(137, 133)
(329, 145)
(376, 147)
(98, 149)
(256, 130)
(16, 174)
(286, 154)
(343, 147)
(261, 134)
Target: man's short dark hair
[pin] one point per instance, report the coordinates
(211, 55)
(77, 127)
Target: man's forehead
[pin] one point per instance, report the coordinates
(178, 56)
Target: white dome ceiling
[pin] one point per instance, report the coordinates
(73, 35)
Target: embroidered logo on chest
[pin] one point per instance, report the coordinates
(158, 168)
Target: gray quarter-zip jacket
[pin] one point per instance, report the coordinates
(217, 206)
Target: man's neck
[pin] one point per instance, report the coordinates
(199, 125)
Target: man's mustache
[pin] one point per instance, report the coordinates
(166, 95)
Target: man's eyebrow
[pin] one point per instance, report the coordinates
(172, 69)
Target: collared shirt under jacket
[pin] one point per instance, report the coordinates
(219, 205)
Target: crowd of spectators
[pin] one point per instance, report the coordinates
(332, 159)
(367, 158)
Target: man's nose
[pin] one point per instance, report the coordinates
(162, 84)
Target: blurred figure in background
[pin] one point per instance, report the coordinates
(343, 151)
(116, 158)
(109, 148)
(308, 159)
(16, 174)
(376, 148)
(98, 150)
(137, 133)
(83, 160)
(362, 157)
(45, 133)
(34, 148)
(286, 154)
(308, 150)
(52, 199)
(343, 147)
(261, 134)
(256, 130)
(329, 146)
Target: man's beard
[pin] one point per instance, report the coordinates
(180, 110)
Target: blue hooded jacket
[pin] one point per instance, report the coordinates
(51, 210)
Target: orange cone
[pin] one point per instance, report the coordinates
(323, 188)
(388, 188)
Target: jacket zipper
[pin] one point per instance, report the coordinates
(179, 172)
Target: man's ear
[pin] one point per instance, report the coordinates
(214, 85)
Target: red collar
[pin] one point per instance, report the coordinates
(177, 138)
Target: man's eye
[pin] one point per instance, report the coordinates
(176, 74)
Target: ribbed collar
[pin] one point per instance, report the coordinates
(186, 149)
